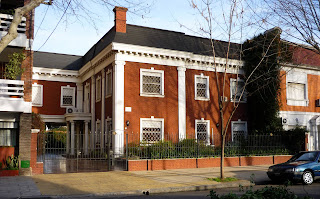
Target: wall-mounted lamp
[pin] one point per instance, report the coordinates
(127, 123)
(217, 124)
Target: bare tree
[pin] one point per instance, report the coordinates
(76, 8)
(231, 26)
(299, 19)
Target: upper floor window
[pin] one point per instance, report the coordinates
(108, 83)
(236, 89)
(37, 94)
(151, 129)
(201, 84)
(151, 83)
(297, 88)
(67, 96)
(98, 89)
(8, 133)
(202, 129)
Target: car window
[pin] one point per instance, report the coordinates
(305, 156)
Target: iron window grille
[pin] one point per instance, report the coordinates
(202, 128)
(151, 82)
(201, 87)
(67, 96)
(151, 130)
(236, 88)
(37, 95)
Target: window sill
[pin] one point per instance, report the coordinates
(239, 101)
(151, 95)
(107, 96)
(292, 102)
(67, 106)
(202, 99)
(37, 105)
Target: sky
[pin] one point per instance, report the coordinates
(76, 37)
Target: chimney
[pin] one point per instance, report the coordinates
(120, 19)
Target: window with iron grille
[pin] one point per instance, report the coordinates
(202, 130)
(109, 83)
(151, 130)
(236, 88)
(37, 95)
(67, 96)
(201, 87)
(8, 133)
(239, 130)
(98, 89)
(151, 82)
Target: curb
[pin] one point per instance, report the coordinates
(244, 183)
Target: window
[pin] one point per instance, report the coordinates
(109, 83)
(201, 87)
(151, 129)
(67, 96)
(8, 133)
(151, 83)
(87, 98)
(236, 88)
(297, 88)
(202, 129)
(98, 89)
(37, 94)
(239, 130)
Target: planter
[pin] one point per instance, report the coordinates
(9, 173)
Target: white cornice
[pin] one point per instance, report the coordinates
(49, 74)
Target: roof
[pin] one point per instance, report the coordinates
(57, 61)
(142, 36)
(165, 39)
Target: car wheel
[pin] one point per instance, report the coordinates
(307, 178)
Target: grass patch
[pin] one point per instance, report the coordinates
(228, 179)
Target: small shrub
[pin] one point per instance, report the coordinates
(12, 163)
(228, 179)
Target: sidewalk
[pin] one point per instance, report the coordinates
(123, 182)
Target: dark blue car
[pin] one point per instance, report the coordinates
(304, 166)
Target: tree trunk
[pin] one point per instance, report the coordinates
(222, 156)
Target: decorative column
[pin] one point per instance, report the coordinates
(80, 96)
(68, 138)
(103, 111)
(118, 106)
(86, 137)
(72, 137)
(93, 111)
(182, 101)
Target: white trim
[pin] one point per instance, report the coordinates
(73, 96)
(41, 94)
(152, 72)
(59, 75)
(53, 118)
(202, 120)
(243, 98)
(98, 91)
(207, 98)
(152, 119)
(239, 122)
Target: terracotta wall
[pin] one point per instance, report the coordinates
(51, 97)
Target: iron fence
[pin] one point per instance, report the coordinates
(173, 146)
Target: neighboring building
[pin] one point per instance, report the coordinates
(15, 95)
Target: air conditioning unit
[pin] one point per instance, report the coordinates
(318, 103)
(72, 109)
(284, 120)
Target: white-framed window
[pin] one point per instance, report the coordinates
(8, 133)
(238, 130)
(98, 88)
(151, 129)
(87, 98)
(202, 130)
(151, 83)
(236, 88)
(67, 96)
(37, 95)
(109, 83)
(201, 87)
(297, 88)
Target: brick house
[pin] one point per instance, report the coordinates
(15, 95)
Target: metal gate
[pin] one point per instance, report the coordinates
(66, 153)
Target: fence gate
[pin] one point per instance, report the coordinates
(65, 153)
